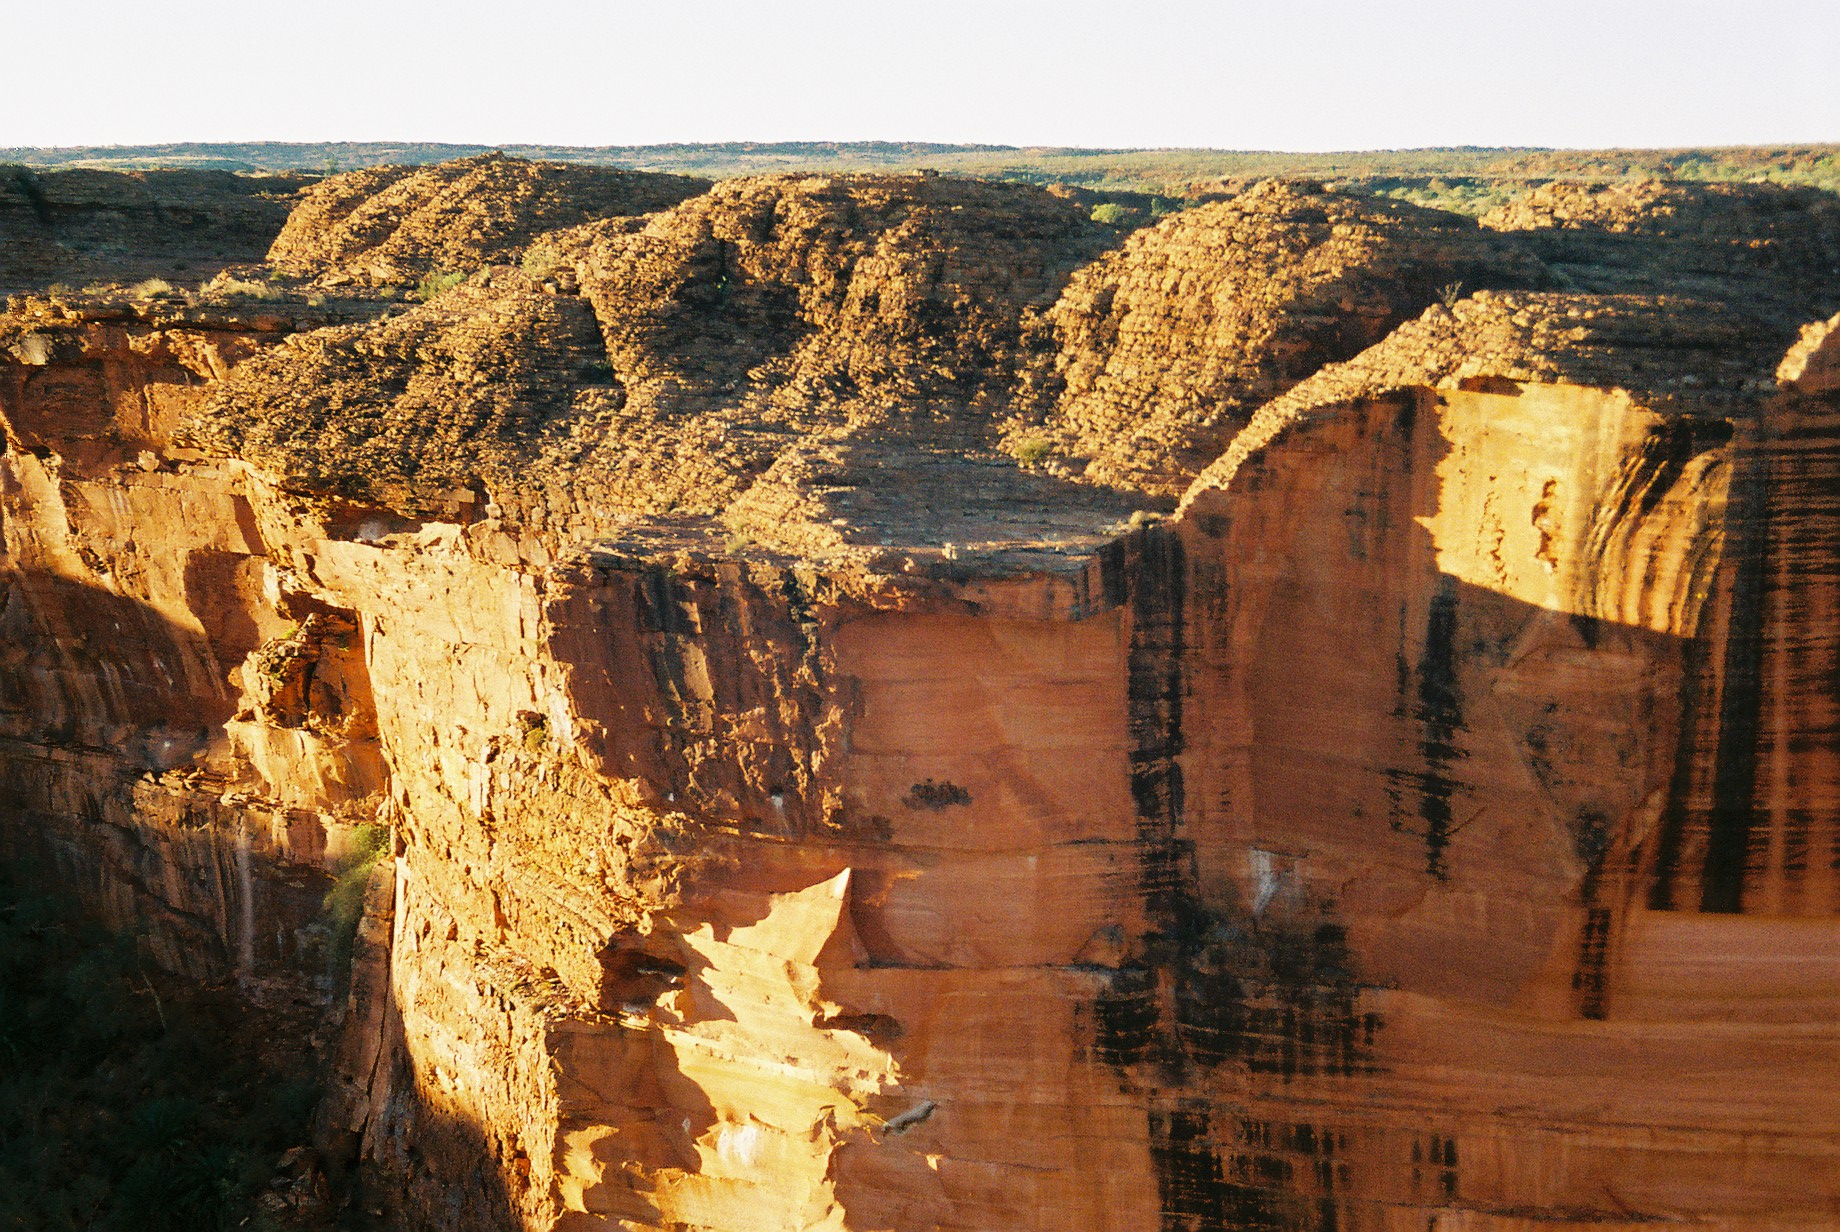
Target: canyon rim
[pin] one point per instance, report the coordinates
(899, 702)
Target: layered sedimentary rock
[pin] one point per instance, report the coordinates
(1557, 784)
(82, 226)
(805, 813)
(1767, 250)
(1167, 345)
(394, 225)
(810, 360)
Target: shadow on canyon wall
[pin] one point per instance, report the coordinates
(1247, 976)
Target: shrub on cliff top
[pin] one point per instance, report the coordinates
(1034, 450)
(240, 288)
(540, 261)
(436, 283)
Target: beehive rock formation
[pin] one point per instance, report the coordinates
(806, 812)
(395, 225)
(1765, 250)
(727, 356)
(1169, 344)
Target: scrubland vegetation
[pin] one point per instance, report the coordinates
(1467, 179)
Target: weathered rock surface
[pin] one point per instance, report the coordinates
(1769, 251)
(1812, 365)
(805, 814)
(787, 353)
(1169, 344)
(1595, 612)
(393, 225)
(81, 226)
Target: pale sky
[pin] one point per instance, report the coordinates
(1233, 74)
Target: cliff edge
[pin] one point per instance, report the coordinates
(876, 702)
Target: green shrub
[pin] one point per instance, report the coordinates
(438, 282)
(540, 261)
(243, 288)
(1033, 450)
(343, 905)
(1111, 214)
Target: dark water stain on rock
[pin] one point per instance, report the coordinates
(1212, 987)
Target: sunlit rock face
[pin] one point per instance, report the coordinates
(804, 812)
(1502, 799)
(396, 225)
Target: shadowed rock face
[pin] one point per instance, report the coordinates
(1168, 345)
(78, 227)
(1770, 252)
(816, 806)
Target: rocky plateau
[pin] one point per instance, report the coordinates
(893, 706)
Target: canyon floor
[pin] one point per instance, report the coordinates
(605, 699)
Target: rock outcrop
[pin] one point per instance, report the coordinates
(780, 352)
(810, 808)
(1169, 344)
(1812, 365)
(391, 226)
(1768, 251)
(79, 226)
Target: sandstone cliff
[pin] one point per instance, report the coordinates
(1168, 345)
(811, 808)
(391, 226)
(79, 226)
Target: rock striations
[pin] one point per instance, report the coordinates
(394, 225)
(1767, 250)
(77, 227)
(823, 789)
(1168, 344)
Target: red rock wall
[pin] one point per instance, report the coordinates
(1426, 829)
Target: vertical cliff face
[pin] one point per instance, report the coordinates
(1794, 791)
(1429, 825)
(130, 587)
(1747, 844)
(1552, 851)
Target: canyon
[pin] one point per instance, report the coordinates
(879, 702)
